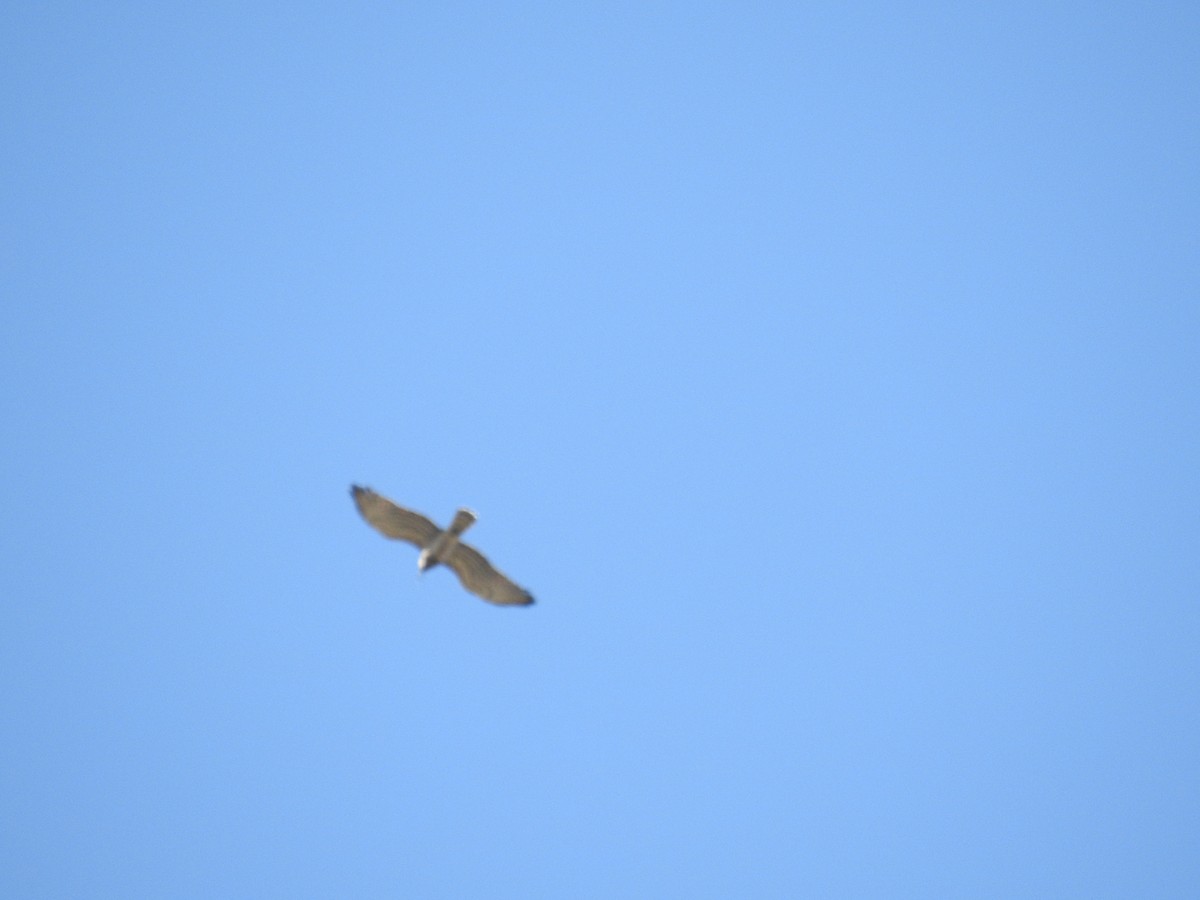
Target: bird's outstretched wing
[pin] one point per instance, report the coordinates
(393, 520)
(482, 578)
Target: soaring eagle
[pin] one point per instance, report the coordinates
(437, 546)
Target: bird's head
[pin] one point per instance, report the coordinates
(423, 561)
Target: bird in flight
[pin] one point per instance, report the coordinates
(477, 575)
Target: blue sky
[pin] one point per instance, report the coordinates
(828, 371)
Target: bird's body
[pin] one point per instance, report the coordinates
(439, 546)
(443, 545)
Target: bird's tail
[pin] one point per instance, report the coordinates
(463, 519)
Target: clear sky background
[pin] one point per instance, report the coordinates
(828, 372)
